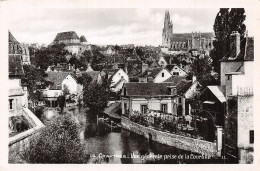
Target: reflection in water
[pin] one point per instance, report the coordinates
(105, 146)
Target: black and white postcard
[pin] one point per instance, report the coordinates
(129, 83)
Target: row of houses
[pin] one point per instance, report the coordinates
(230, 104)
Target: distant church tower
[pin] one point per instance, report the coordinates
(167, 30)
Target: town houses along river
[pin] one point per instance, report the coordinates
(123, 146)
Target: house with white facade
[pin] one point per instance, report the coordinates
(155, 75)
(163, 97)
(176, 70)
(117, 77)
(187, 90)
(166, 60)
(60, 80)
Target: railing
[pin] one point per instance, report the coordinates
(165, 122)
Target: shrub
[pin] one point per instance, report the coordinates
(39, 112)
(18, 123)
(58, 142)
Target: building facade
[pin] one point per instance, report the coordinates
(73, 43)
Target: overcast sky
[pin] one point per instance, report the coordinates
(110, 26)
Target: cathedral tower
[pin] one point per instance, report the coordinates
(167, 30)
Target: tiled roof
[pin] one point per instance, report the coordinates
(11, 38)
(174, 79)
(66, 36)
(183, 86)
(15, 65)
(150, 72)
(56, 78)
(133, 71)
(154, 64)
(148, 89)
(169, 67)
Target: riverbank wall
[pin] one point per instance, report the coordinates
(20, 142)
(186, 143)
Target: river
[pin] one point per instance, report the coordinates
(123, 146)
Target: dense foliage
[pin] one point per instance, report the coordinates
(202, 69)
(50, 55)
(226, 21)
(35, 80)
(58, 142)
(95, 95)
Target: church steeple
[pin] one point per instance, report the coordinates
(168, 29)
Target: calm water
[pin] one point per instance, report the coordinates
(123, 146)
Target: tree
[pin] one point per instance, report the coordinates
(96, 96)
(118, 48)
(75, 62)
(61, 100)
(50, 55)
(65, 90)
(58, 142)
(35, 80)
(203, 72)
(139, 52)
(84, 80)
(226, 21)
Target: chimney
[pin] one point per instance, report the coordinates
(69, 66)
(234, 44)
(194, 78)
(126, 71)
(173, 90)
(144, 67)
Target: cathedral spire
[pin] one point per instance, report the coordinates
(167, 30)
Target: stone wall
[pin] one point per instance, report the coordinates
(20, 142)
(178, 141)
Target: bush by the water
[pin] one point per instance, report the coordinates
(58, 142)
(18, 124)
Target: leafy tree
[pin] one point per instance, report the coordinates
(118, 48)
(96, 96)
(65, 90)
(61, 100)
(58, 142)
(139, 52)
(75, 62)
(50, 55)
(93, 57)
(203, 72)
(226, 21)
(84, 80)
(35, 80)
